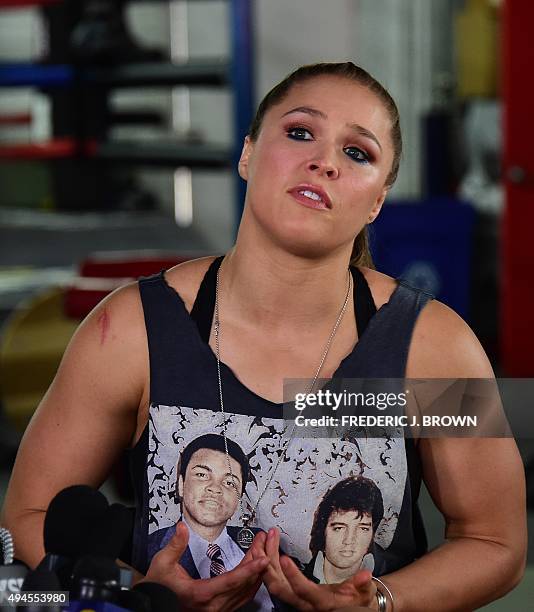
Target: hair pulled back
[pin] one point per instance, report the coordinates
(361, 255)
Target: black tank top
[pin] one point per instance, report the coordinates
(184, 405)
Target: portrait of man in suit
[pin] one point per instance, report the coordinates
(209, 488)
(344, 525)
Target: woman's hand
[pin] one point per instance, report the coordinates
(223, 593)
(284, 580)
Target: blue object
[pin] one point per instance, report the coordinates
(96, 606)
(35, 75)
(243, 84)
(429, 245)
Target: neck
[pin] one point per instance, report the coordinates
(208, 533)
(276, 289)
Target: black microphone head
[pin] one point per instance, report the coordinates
(70, 518)
(111, 532)
(41, 579)
(7, 548)
(99, 569)
(162, 599)
(95, 578)
(135, 601)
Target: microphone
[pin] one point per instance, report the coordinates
(95, 586)
(7, 547)
(159, 596)
(40, 580)
(80, 522)
(11, 574)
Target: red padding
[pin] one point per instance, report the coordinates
(16, 119)
(133, 268)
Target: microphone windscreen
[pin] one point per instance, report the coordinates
(97, 569)
(70, 518)
(111, 532)
(135, 601)
(41, 579)
(161, 598)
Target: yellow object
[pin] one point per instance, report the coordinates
(31, 346)
(477, 47)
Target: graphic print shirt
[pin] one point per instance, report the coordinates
(184, 405)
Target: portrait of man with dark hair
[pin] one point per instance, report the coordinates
(343, 530)
(209, 486)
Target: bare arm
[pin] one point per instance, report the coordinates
(477, 484)
(86, 418)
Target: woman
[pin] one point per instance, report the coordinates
(320, 158)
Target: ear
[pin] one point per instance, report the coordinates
(377, 207)
(242, 166)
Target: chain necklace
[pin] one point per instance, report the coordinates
(245, 534)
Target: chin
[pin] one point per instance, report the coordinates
(307, 247)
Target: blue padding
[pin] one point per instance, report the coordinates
(36, 75)
(428, 244)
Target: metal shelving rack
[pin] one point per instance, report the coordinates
(235, 73)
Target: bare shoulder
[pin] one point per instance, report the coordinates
(185, 278)
(117, 316)
(444, 346)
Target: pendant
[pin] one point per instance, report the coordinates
(245, 536)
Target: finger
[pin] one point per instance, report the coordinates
(272, 544)
(242, 596)
(359, 586)
(172, 552)
(257, 548)
(302, 587)
(362, 578)
(238, 577)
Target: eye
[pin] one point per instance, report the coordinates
(357, 155)
(299, 133)
(201, 474)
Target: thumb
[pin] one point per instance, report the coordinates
(175, 547)
(362, 578)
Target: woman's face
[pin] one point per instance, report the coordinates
(316, 173)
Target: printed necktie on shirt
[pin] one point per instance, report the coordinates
(217, 564)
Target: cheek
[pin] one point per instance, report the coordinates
(366, 186)
(192, 491)
(333, 539)
(271, 161)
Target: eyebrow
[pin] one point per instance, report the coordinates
(314, 112)
(336, 523)
(208, 469)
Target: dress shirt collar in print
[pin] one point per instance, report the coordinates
(230, 552)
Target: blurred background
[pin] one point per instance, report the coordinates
(121, 122)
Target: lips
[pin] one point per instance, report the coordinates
(209, 503)
(311, 196)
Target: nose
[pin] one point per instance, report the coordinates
(323, 167)
(350, 536)
(323, 161)
(214, 487)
